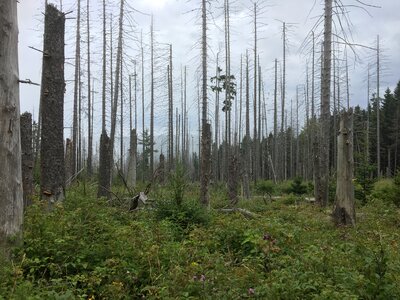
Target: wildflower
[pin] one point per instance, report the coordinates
(251, 291)
(202, 278)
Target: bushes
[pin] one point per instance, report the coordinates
(85, 249)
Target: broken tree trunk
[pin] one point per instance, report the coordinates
(52, 105)
(27, 157)
(344, 212)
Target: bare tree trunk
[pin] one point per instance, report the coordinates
(322, 196)
(52, 101)
(255, 142)
(143, 127)
(233, 180)
(116, 87)
(131, 176)
(27, 157)
(11, 200)
(206, 128)
(275, 150)
(152, 98)
(344, 211)
(104, 159)
(170, 113)
(90, 138)
(76, 91)
(68, 163)
(378, 122)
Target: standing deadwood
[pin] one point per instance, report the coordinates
(206, 127)
(132, 159)
(170, 113)
(275, 150)
(27, 157)
(11, 199)
(76, 91)
(344, 211)
(104, 167)
(52, 101)
(161, 169)
(246, 140)
(68, 163)
(152, 97)
(104, 159)
(90, 137)
(322, 190)
(142, 87)
(233, 180)
(255, 141)
(378, 122)
(116, 86)
(121, 148)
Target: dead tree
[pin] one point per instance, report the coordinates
(323, 188)
(344, 211)
(90, 137)
(131, 178)
(52, 102)
(104, 159)
(27, 157)
(206, 128)
(68, 162)
(76, 91)
(11, 200)
(116, 87)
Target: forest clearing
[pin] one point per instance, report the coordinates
(202, 149)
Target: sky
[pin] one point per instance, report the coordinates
(177, 22)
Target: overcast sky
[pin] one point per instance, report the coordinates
(177, 22)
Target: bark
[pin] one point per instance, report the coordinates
(132, 160)
(11, 199)
(322, 195)
(206, 127)
(68, 162)
(89, 95)
(344, 211)
(104, 167)
(233, 180)
(152, 100)
(76, 91)
(52, 102)
(27, 157)
(161, 169)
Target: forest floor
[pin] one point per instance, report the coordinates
(92, 249)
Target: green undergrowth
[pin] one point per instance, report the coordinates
(87, 249)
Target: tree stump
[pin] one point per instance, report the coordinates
(344, 212)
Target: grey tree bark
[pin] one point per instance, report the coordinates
(206, 128)
(131, 176)
(11, 200)
(27, 157)
(52, 103)
(344, 211)
(322, 190)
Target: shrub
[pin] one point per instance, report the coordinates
(385, 189)
(178, 184)
(298, 187)
(265, 187)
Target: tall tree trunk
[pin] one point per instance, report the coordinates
(27, 157)
(76, 91)
(322, 195)
(206, 128)
(116, 87)
(131, 176)
(104, 159)
(152, 98)
(378, 108)
(255, 142)
(11, 200)
(344, 211)
(90, 138)
(52, 100)
(170, 113)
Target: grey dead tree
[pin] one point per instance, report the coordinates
(27, 157)
(378, 121)
(116, 86)
(76, 91)
(11, 200)
(68, 162)
(206, 127)
(246, 140)
(89, 97)
(104, 159)
(152, 96)
(344, 211)
(52, 166)
(170, 113)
